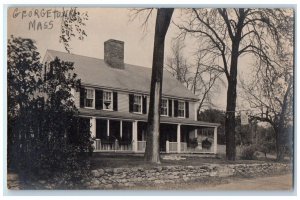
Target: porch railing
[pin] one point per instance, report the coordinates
(141, 146)
(183, 146)
(172, 147)
(111, 146)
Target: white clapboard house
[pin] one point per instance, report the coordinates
(115, 98)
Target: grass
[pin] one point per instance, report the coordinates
(111, 160)
(114, 160)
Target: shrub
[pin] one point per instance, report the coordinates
(267, 147)
(193, 143)
(206, 144)
(248, 152)
(53, 140)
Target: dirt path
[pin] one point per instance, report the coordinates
(282, 182)
(272, 183)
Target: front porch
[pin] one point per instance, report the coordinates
(116, 135)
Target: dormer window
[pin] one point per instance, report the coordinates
(89, 100)
(107, 100)
(164, 107)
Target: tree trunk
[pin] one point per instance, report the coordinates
(231, 104)
(231, 91)
(280, 127)
(230, 123)
(279, 147)
(161, 27)
(280, 144)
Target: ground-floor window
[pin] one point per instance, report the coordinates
(141, 131)
(127, 131)
(101, 129)
(114, 130)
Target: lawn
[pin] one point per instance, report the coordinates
(114, 160)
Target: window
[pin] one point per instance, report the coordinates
(137, 104)
(89, 100)
(164, 107)
(107, 100)
(181, 109)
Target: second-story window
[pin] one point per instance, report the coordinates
(89, 100)
(107, 100)
(137, 104)
(181, 109)
(164, 107)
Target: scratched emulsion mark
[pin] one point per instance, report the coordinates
(42, 18)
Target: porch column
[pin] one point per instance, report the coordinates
(178, 138)
(93, 127)
(134, 136)
(167, 146)
(107, 127)
(121, 129)
(215, 139)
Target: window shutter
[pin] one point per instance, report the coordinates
(186, 109)
(45, 71)
(145, 105)
(115, 101)
(170, 107)
(82, 97)
(175, 108)
(131, 99)
(99, 99)
(50, 74)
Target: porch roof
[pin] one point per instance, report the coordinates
(141, 117)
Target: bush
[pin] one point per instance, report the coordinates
(53, 140)
(193, 143)
(206, 144)
(248, 152)
(267, 147)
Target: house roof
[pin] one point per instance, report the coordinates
(95, 72)
(139, 117)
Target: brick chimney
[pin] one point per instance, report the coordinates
(114, 53)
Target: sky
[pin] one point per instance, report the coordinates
(102, 24)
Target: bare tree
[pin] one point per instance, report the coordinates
(205, 79)
(177, 64)
(271, 96)
(228, 34)
(199, 75)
